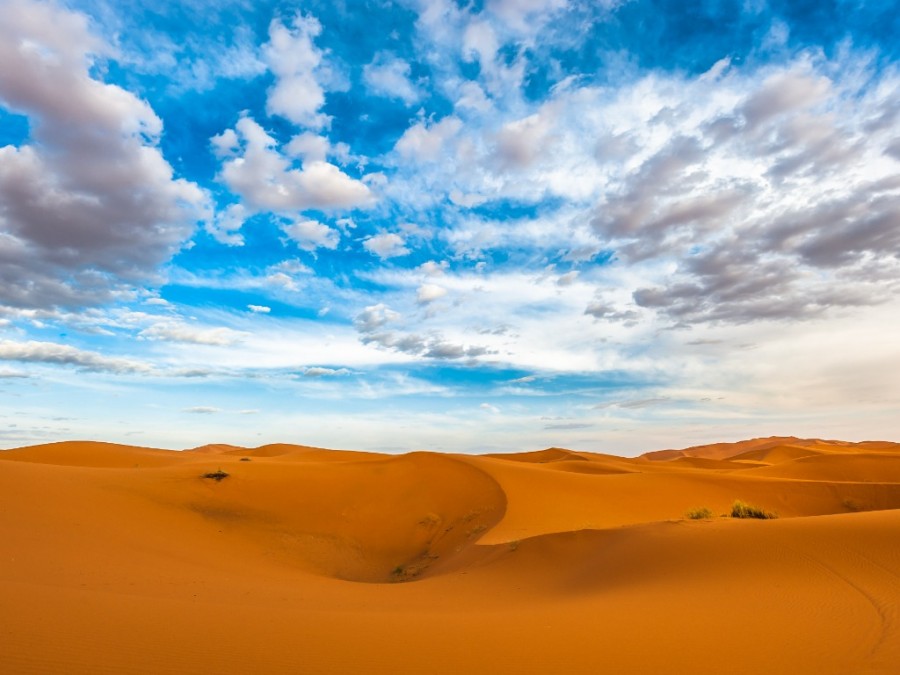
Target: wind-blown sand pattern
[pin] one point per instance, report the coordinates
(119, 559)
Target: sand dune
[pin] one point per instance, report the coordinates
(118, 559)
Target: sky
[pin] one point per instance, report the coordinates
(495, 225)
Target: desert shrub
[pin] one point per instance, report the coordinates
(245, 459)
(216, 475)
(852, 505)
(742, 510)
(700, 513)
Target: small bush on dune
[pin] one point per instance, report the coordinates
(701, 513)
(216, 475)
(742, 510)
(852, 505)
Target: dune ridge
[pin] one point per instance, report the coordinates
(125, 559)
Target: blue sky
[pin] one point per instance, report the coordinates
(499, 225)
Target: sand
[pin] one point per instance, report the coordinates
(119, 559)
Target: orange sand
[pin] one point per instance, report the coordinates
(117, 559)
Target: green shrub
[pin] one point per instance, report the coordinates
(742, 510)
(700, 513)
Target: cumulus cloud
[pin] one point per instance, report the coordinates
(51, 352)
(439, 349)
(225, 227)
(268, 181)
(743, 194)
(371, 324)
(388, 75)
(480, 42)
(521, 142)
(293, 57)
(750, 192)
(286, 275)
(259, 309)
(311, 234)
(428, 293)
(284, 180)
(432, 268)
(374, 317)
(425, 142)
(430, 346)
(88, 205)
(774, 206)
(607, 312)
(308, 147)
(472, 97)
(386, 245)
(782, 93)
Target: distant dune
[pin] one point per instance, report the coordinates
(292, 559)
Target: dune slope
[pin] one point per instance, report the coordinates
(128, 560)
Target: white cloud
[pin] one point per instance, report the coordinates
(432, 268)
(311, 234)
(472, 97)
(425, 142)
(286, 275)
(388, 75)
(89, 204)
(293, 57)
(202, 410)
(267, 181)
(374, 317)
(428, 293)
(521, 142)
(225, 227)
(51, 352)
(739, 195)
(524, 380)
(176, 331)
(480, 42)
(567, 279)
(309, 147)
(783, 92)
(527, 16)
(317, 371)
(259, 309)
(224, 144)
(386, 245)
(289, 275)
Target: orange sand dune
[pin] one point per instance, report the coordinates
(118, 559)
(760, 445)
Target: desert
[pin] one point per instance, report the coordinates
(292, 559)
(449, 337)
